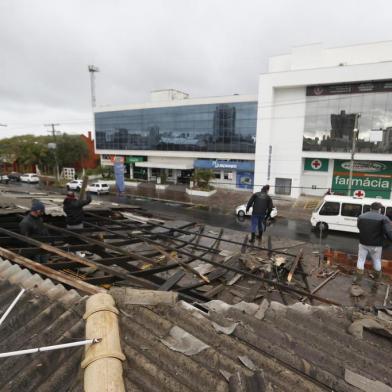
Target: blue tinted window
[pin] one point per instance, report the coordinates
(214, 128)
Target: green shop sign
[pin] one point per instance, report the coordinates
(316, 164)
(370, 178)
(131, 159)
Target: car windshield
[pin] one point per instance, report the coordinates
(318, 205)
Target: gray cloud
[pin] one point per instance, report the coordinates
(204, 47)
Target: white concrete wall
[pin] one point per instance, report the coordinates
(179, 154)
(180, 102)
(322, 180)
(316, 56)
(282, 99)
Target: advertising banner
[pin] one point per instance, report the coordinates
(245, 180)
(119, 176)
(228, 165)
(370, 178)
(316, 164)
(134, 159)
(108, 160)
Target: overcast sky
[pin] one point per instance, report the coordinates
(202, 47)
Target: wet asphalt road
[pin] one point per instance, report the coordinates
(298, 230)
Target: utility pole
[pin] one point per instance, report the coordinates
(92, 69)
(355, 135)
(53, 132)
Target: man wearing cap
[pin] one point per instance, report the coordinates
(32, 224)
(373, 228)
(73, 209)
(262, 208)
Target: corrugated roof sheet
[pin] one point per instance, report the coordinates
(46, 314)
(298, 348)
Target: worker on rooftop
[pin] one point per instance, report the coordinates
(373, 228)
(262, 208)
(32, 225)
(73, 209)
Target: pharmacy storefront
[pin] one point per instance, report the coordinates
(229, 174)
(370, 178)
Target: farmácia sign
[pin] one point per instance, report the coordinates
(372, 178)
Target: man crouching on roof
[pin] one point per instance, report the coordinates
(32, 225)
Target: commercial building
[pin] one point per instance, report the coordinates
(308, 103)
(172, 135)
(305, 115)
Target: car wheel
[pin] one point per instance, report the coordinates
(78, 188)
(322, 226)
(68, 188)
(241, 213)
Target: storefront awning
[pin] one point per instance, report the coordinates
(166, 165)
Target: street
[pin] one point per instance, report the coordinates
(298, 230)
(293, 229)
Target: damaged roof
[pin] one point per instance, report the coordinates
(46, 314)
(12, 202)
(174, 346)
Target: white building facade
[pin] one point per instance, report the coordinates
(307, 105)
(172, 135)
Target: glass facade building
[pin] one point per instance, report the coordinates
(330, 117)
(225, 127)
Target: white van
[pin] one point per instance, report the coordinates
(341, 212)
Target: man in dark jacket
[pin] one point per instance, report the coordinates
(32, 225)
(262, 207)
(373, 228)
(73, 209)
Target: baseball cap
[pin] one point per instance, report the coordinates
(37, 206)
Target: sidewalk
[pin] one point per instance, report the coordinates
(225, 201)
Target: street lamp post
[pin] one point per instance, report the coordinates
(355, 135)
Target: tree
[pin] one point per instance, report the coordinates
(25, 150)
(34, 150)
(202, 178)
(70, 149)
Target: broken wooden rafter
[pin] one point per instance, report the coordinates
(78, 259)
(58, 276)
(297, 259)
(179, 230)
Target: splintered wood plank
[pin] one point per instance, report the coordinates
(58, 276)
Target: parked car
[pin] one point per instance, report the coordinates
(14, 176)
(241, 211)
(4, 179)
(98, 188)
(75, 185)
(29, 177)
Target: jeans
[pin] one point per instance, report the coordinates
(257, 223)
(375, 254)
